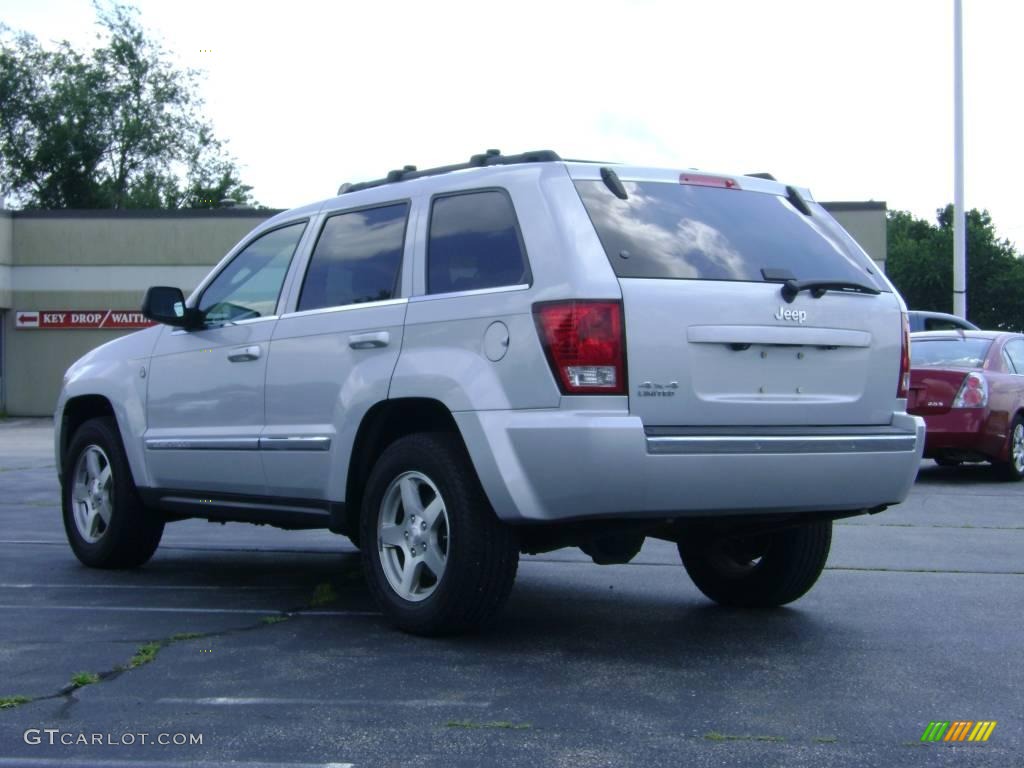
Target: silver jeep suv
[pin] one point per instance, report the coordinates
(455, 365)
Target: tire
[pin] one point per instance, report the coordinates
(758, 572)
(97, 478)
(452, 527)
(1012, 470)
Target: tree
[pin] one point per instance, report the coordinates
(920, 265)
(116, 127)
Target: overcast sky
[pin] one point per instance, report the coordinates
(851, 99)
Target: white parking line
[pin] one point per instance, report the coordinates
(151, 609)
(64, 762)
(242, 701)
(175, 587)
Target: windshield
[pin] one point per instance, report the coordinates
(691, 232)
(949, 353)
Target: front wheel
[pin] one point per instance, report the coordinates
(1013, 468)
(437, 559)
(105, 521)
(760, 571)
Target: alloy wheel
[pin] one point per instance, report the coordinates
(413, 536)
(91, 494)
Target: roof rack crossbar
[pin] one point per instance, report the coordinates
(488, 158)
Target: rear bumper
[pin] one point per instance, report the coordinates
(554, 465)
(966, 431)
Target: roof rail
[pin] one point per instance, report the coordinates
(490, 157)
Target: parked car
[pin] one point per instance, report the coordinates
(937, 321)
(969, 387)
(456, 365)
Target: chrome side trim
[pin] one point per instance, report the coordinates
(345, 308)
(713, 444)
(203, 444)
(292, 443)
(477, 292)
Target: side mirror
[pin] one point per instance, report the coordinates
(167, 305)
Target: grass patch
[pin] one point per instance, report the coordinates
(145, 654)
(499, 725)
(825, 739)
(273, 619)
(324, 594)
(185, 636)
(716, 736)
(81, 679)
(10, 702)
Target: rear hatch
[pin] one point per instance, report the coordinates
(711, 339)
(939, 367)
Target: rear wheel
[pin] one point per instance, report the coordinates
(437, 559)
(1013, 468)
(758, 571)
(105, 521)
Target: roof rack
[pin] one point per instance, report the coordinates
(490, 157)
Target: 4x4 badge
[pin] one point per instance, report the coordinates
(795, 315)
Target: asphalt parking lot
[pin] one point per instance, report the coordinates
(265, 643)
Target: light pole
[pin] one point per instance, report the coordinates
(959, 230)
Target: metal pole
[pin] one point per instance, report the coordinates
(959, 230)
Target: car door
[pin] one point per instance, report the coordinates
(205, 408)
(332, 357)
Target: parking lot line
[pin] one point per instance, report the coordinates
(64, 762)
(152, 609)
(235, 701)
(174, 587)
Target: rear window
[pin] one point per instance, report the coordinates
(951, 353)
(690, 232)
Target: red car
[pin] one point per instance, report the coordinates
(969, 387)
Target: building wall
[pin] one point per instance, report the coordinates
(90, 260)
(96, 260)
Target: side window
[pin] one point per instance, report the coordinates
(357, 258)
(1008, 363)
(474, 243)
(1015, 351)
(942, 324)
(250, 285)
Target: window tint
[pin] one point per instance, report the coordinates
(952, 353)
(357, 258)
(474, 243)
(685, 231)
(249, 286)
(1015, 351)
(942, 324)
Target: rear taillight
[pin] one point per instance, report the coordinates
(904, 383)
(585, 344)
(973, 392)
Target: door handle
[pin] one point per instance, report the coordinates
(369, 340)
(244, 354)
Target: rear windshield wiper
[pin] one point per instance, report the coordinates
(818, 287)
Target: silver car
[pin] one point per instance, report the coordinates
(455, 365)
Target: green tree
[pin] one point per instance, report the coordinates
(119, 126)
(920, 265)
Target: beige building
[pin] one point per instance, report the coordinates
(68, 279)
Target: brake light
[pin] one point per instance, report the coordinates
(973, 392)
(904, 383)
(585, 345)
(702, 180)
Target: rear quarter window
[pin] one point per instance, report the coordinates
(474, 243)
(689, 232)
